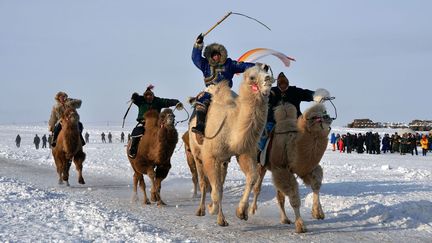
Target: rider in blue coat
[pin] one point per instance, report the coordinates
(216, 67)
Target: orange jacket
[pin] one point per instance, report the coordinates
(424, 143)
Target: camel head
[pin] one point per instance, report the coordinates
(256, 81)
(69, 116)
(316, 119)
(167, 118)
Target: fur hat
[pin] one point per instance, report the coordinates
(149, 90)
(60, 93)
(282, 79)
(215, 48)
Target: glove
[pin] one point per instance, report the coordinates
(321, 95)
(200, 39)
(134, 96)
(179, 106)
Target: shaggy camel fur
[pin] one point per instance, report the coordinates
(234, 126)
(297, 148)
(69, 147)
(154, 153)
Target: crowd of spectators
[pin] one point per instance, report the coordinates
(372, 143)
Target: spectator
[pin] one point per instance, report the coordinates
(122, 137)
(50, 139)
(333, 141)
(44, 141)
(424, 142)
(18, 141)
(103, 137)
(36, 141)
(109, 137)
(87, 136)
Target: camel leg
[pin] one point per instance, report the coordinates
(286, 182)
(193, 169)
(212, 169)
(66, 172)
(78, 161)
(281, 203)
(161, 174)
(248, 166)
(134, 198)
(257, 188)
(314, 179)
(60, 169)
(203, 184)
(142, 186)
(152, 175)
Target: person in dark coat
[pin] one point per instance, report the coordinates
(103, 137)
(284, 93)
(44, 141)
(122, 135)
(109, 137)
(386, 143)
(18, 141)
(146, 102)
(87, 136)
(216, 67)
(36, 141)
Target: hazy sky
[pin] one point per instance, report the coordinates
(373, 56)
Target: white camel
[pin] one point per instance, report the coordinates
(234, 126)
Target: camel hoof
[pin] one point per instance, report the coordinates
(299, 226)
(81, 181)
(161, 203)
(285, 221)
(146, 202)
(60, 182)
(67, 183)
(242, 214)
(200, 212)
(222, 222)
(318, 214)
(134, 199)
(153, 197)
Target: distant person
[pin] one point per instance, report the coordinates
(50, 139)
(36, 141)
(109, 137)
(333, 141)
(122, 137)
(18, 141)
(44, 141)
(424, 143)
(87, 136)
(103, 137)
(129, 137)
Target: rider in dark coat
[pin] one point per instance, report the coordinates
(146, 102)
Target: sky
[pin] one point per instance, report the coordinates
(365, 198)
(373, 56)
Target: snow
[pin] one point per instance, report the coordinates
(367, 198)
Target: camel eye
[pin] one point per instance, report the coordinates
(252, 78)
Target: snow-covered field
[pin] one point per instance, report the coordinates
(366, 198)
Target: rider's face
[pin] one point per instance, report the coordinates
(216, 57)
(149, 98)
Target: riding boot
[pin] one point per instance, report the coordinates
(56, 132)
(82, 140)
(200, 125)
(134, 147)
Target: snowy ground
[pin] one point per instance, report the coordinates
(366, 198)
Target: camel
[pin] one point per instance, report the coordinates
(234, 126)
(297, 148)
(69, 147)
(154, 153)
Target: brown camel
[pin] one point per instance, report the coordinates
(234, 126)
(154, 153)
(297, 148)
(69, 147)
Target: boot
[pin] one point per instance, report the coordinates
(134, 147)
(82, 140)
(56, 132)
(200, 125)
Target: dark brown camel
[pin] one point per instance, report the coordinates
(154, 153)
(69, 147)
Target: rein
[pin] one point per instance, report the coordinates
(177, 122)
(219, 129)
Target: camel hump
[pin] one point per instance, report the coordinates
(317, 109)
(285, 111)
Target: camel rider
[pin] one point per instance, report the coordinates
(62, 103)
(284, 93)
(215, 66)
(146, 102)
